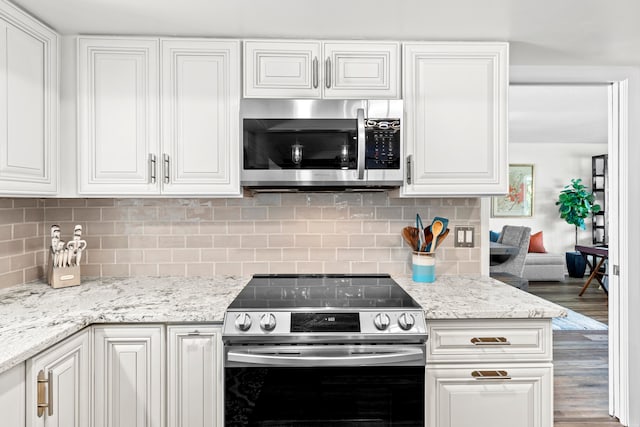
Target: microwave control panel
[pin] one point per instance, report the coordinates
(382, 144)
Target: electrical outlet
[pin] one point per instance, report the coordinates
(463, 237)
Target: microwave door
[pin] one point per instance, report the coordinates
(361, 143)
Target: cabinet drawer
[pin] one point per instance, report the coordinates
(489, 340)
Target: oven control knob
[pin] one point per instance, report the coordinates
(406, 321)
(268, 322)
(381, 321)
(243, 321)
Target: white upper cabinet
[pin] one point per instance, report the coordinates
(28, 105)
(158, 116)
(117, 115)
(200, 117)
(313, 69)
(455, 129)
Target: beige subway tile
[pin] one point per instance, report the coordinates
(114, 242)
(302, 213)
(321, 226)
(375, 199)
(132, 202)
(295, 254)
(294, 199)
(58, 214)
(294, 227)
(335, 212)
(36, 244)
(268, 227)
(241, 202)
(100, 228)
(454, 254)
(115, 270)
(11, 247)
(444, 267)
(20, 262)
(177, 270)
(224, 213)
(72, 203)
(250, 268)
(324, 254)
(171, 241)
(280, 267)
(27, 229)
(254, 241)
(143, 241)
(336, 267)
(90, 270)
(199, 213)
(400, 254)
(138, 270)
(214, 255)
(11, 279)
(101, 203)
(393, 268)
(376, 254)
(51, 203)
(86, 214)
(362, 241)
(230, 241)
(454, 201)
(93, 242)
(347, 199)
(347, 254)
(335, 240)
(279, 213)
(115, 214)
(156, 256)
(265, 199)
(157, 227)
(362, 213)
(199, 241)
(200, 270)
(401, 201)
(308, 240)
(228, 269)
(281, 240)
(129, 256)
(388, 212)
(185, 228)
(148, 213)
(268, 254)
(308, 267)
(172, 213)
(5, 264)
(389, 240)
(6, 203)
(6, 232)
(34, 273)
(186, 255)
(364, 267)
(240, 255)
(100, 256)
(348, 227)
(11, 216)
(241, 227)
(34, 214)
(254, 213)
(474, 253)
(469, 267)
(213, 227)
(375, 227)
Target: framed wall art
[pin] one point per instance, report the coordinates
(519, 201)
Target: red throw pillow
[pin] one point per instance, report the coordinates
(535, 243)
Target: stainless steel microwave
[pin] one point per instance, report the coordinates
(321, 143)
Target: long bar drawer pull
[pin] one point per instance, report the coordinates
(42, 402)
(490, 375)
(490, 341)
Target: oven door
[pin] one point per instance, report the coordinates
(325, 385)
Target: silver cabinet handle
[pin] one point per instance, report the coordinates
(42, 384)
(315, 72)
(490, 341)
(153, 168)
(165, 168)
(361, 143)
(490, 375)
(327, 73)
(409, 161)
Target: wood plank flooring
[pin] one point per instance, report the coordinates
(580, 357)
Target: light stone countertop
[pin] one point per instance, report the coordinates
(35, 316)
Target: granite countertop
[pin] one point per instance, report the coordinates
(35, 316)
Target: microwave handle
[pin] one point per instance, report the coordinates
(361, 143)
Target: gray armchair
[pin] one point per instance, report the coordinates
(513, 236)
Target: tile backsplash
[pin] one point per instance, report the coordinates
(267, 233)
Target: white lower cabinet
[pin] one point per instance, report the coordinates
(58, 384)
(12, 393)
(194, 376)
(128, 376)
(489, 373)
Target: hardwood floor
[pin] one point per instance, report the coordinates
(580, 357)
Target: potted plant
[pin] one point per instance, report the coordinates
(576, 203)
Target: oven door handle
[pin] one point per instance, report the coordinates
(361, 140)
(294, 358)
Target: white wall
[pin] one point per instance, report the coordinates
(554, 166)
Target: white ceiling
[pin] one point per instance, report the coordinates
(558, 114)
(541, 32)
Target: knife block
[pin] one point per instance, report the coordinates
(62, 277)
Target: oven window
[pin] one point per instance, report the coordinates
(329, 397)
(299, 143)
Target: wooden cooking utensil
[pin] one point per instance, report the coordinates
(436, 229)
(410, 235)
(442, 236)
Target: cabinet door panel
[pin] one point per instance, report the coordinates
(28, 108)
(194, 376)
(118, 115)
(201, 92)
(129, 383)
(284, 69)
(12, 396)
(361, 70)
(66, 367)
(456, 126)
(457, 399)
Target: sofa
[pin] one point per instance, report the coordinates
(544, 267)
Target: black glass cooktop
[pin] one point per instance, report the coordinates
(282, 291)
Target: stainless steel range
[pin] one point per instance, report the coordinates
(324, 350)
